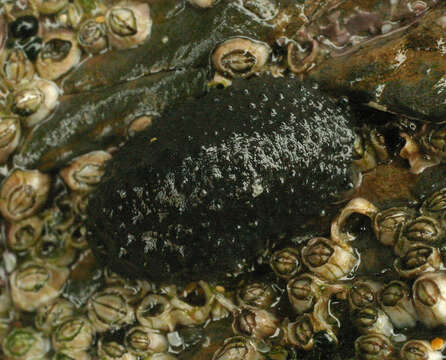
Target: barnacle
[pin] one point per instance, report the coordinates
(50, 316)
(24, 343)
(60, 53)
(109, 309)
(35, 100)
(327, 259)
(286, 263)
(373, 347)
(73, 333)
(419, 349)
(129, 24)
(429, 297)
(16, 68)
(85, 171)
(240, 57)
(92, 36)
(362, 294)
(395, 299)
(23, 193)
(141, 341)
(34, 285)
(10, 133)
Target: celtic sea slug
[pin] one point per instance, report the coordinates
(217, 179)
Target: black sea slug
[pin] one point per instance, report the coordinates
(215, 180)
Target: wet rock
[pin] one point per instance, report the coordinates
(404, 72)
(215, 181)
(94, 120)
(184, 40)
(431, 180)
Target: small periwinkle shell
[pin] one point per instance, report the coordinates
(240, 57)
(23, 193)
(85, 171)
(34, 285)
(328, 259)
(10, 132)
(35, 100)
(59, 54)
(129, 24)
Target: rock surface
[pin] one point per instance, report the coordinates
(403, 73)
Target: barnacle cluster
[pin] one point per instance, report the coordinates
(313, 294)
(46, 40)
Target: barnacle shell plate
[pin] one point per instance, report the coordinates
(34, 285)
(59, 54)
(240, 57)
(129, 24)
(23, 193)
(10, 132)
(35, 100)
